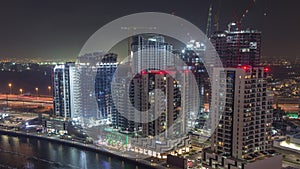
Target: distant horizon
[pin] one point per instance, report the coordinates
(49, 29)
(25, 60)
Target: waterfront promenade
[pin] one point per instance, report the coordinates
(130, 156)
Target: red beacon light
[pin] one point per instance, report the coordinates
(245, 67)
(160, 72)
(266, 69)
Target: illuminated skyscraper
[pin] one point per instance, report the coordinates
(242, 138)
(158, 108)
(95, 72)
(156, 103)
(153, 59)
(125, 109)
(104, 75)
(151, 52)
(193, 55)
(86, 71)
(238, 47)
(158, 94)
(63, 87)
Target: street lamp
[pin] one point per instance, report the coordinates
(21, 91)
(49, 89)
(37, 92)
(10, 86)
(6, 99)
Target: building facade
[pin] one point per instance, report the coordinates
(86, 70)
(94, 73)
(150, 52)
(156, 100)
(63, 87)
(104, 75)
(243, 133)
(193, 55)
(238, 47)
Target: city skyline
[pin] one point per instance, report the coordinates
(245, 82)
(163, 84)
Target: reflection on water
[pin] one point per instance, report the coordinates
(21, 152)
(83, 160)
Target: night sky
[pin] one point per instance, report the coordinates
(52, 29)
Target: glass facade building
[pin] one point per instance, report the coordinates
(63, 87)
(104, 75)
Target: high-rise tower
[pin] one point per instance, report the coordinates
(238, 47)
(151, 52)
(63, 88)
(105, 72)
(94, 73)
(156, 100)
(243, 135)
(193, 55)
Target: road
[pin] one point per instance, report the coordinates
(25, 101)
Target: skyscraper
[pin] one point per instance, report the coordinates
(193, 55)
(153, 58)
(94, 75)
(241, 106)
(157, 93)
(126, 110)
(86, 70)
(238, 47)
(243, 135)
(160, 99)
(63, 87)
(104, 75)
(156, 99)
(150, 52)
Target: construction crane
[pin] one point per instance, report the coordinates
(239, 20)
(215, 17)
(208, 25)
(252, 2)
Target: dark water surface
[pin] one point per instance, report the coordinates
(21, 152)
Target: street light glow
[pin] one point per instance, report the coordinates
(49, 90)
(37, 92)
(10, 86)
